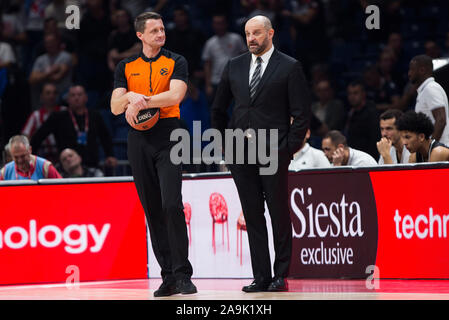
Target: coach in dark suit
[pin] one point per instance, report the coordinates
(270, 92)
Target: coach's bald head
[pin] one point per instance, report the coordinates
(259, 35)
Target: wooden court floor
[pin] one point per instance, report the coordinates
(230, 289)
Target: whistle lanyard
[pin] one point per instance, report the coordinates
(75, 124)
(81, 136)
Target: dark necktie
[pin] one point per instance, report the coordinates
(256, 78)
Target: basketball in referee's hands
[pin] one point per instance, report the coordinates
(146, 119)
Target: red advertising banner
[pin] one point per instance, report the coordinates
(49, 233)
(413, 218)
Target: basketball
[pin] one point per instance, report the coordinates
(146, 119)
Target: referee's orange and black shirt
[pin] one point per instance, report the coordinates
(150, 76)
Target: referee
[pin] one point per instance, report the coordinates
(157, 78)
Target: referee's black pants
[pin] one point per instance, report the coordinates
(158, 183)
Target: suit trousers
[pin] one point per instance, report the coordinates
(158, 182)
(254, 189)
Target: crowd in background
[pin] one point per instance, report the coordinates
(347, 65)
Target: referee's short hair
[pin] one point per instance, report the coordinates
(141, 19)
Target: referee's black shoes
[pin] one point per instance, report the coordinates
(167, 288)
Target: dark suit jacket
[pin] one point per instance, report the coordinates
(282, 93)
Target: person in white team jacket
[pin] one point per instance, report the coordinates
(431, 99)
(308, 157)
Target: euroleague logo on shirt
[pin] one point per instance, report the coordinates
(164, 71)
(74, 236)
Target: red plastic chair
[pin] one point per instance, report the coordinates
(219, 213)
(241, 226)
(188, 216)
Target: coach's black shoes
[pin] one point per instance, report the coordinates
(167, 288)
(185, 286)
(256, 286)
(278, 285)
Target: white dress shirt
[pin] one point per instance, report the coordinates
(265, 59)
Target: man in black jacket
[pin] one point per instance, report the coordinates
(270, 92)
(78, 128)
(362, 124)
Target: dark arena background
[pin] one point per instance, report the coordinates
(359, 233)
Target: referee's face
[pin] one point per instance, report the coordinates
(154, 34)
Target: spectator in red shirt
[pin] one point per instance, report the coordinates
(49, 96)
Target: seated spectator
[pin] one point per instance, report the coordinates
(432, 99)
(217, 51)
(328, 109)
(308, 157)
(123, 41)
(67, 39)
(53, 66)
(416, 130)
(78, 128)
(26, 166)
(362, 126)
(49, 98)
(390, 146)
(336, 149)
(383, 92)
(73, 167)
